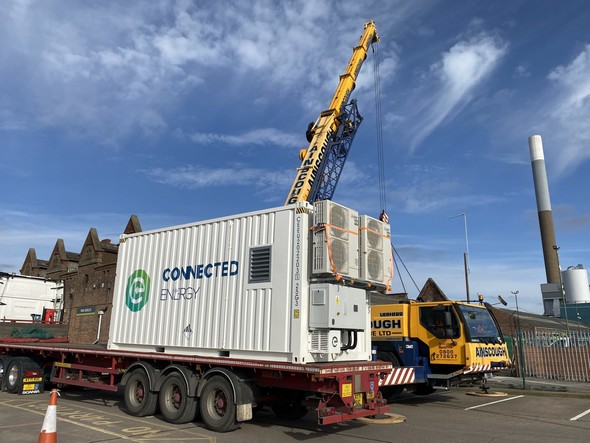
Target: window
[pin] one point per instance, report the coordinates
(480, 325)
(440, 320)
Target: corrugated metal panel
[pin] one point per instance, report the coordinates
(199, 299)
(186, 290)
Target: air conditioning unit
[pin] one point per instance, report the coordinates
(335, 240)
(376, 261)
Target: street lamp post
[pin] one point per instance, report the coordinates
(465, 254)
(519, 334)
(562, 290)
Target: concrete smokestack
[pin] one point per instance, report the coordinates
(544, 209)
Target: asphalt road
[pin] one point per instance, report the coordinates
(454, 416)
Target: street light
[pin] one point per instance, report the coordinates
(519, 334)
(465, 254)
(562, 290)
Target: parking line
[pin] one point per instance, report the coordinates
(22, 424)
(138, 434)
(580, 415)
(494, 402)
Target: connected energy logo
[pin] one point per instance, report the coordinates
(138, 290)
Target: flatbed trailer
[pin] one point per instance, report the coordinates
(225, 390)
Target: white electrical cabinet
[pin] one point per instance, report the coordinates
(337, 307)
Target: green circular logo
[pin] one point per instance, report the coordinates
(138, 290)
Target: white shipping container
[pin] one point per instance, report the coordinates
(233, 287)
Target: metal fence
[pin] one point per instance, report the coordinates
(553, 355)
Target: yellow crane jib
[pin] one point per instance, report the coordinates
(328, 122)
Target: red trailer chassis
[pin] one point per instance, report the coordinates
(337, 391)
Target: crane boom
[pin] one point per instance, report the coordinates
(338, 121)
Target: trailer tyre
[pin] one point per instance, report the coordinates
(139, 400)
(390, 392)
(14, 373)
(4, 360)
(175, 404)
(217, 404)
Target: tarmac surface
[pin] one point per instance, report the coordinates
(535, 384)
(546, 412)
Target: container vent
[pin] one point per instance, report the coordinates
(319, 341)
(259, 265)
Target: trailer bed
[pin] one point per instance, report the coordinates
(317, 369)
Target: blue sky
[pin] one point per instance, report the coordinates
(184, 111)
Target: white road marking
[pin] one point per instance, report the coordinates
(580, 415)
(494, 402)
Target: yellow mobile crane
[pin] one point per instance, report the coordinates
(423, 354)
(330, 137)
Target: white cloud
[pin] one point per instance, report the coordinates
(568, 122)
(97, 70)
(152, 122)
(265, 136)
(522, 71)
(21, 230)
(457, 75)
(194, 178)
(428, 196)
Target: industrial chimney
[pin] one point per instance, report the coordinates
(544, 208)
(552, 290)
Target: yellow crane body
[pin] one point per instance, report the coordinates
(328, 122)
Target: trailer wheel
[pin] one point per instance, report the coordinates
(217, 404)
(390, 392)
(14, 373)
(289, 405)
(138, 399)
(175, 404)
(4, 360)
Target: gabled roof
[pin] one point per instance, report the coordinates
(32, 259)
(60, 250)
(133, 225)
(431, 292)
(93, 249)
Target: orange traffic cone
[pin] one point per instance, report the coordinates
(49, 429)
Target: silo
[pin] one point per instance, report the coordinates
(575, 284)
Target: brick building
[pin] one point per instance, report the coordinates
(61, 261)
(89, 279)
(34, 267)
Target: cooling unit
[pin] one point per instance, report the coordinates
(335, 240)
(376, 261)
(324, 341)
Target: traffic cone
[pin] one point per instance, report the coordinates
(49, 429)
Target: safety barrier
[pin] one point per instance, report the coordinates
(553, 355)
